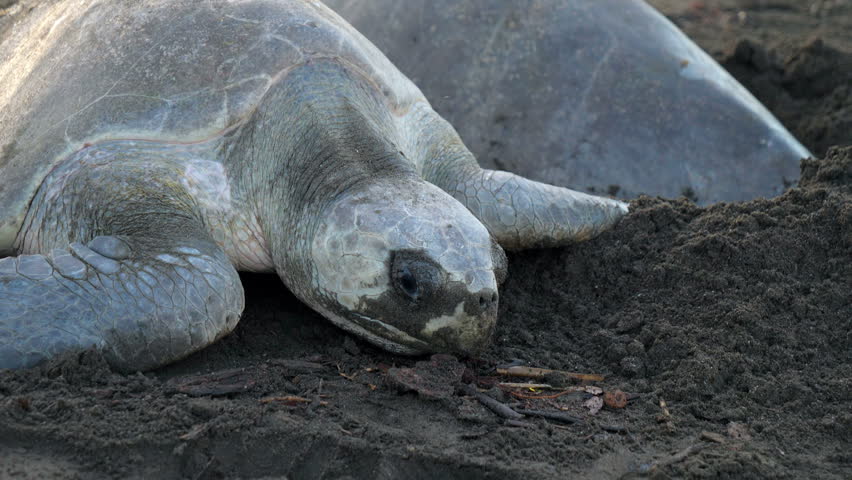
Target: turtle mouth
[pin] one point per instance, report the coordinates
(389, 337)
(379, 333)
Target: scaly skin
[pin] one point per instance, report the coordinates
(522, 213)
(519, 213)
(154, 290)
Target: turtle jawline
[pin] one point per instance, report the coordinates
(412, 347)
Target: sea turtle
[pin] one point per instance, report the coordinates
(150, 149)
(606, 94)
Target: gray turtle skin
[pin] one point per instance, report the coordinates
(585, 94)
(151, 149)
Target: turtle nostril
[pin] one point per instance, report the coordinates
(486, 300)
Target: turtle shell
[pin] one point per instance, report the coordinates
(80, 72)
(597, 95)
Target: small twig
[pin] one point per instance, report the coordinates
(543, 386)
(666, 416)
(562, 427)
(614, 428)
(290, 400)
(195, 432)
(665, 409)
(492, 404)
(533, 372)
(542, 397)
(558, 416)
(712, 437)
(285, 398)
(347, 377)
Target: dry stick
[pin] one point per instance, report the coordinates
(559, 417)
(533, 372)
(495, 406)
(285, 399)
(543, 397)
(195, 432)
(665, 408)
(666, 417)
(526, 385)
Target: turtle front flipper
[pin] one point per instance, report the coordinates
(518, 212)
(148, 287)
(522, 213)
(142, 307)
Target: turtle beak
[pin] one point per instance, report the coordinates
(468, 330)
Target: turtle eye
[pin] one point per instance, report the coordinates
(414, 276)
(408, 283)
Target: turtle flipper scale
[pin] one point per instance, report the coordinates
(142, 311)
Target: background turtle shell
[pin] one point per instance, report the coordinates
(603, 95)
(78, 72)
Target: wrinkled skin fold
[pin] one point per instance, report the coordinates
(322, 163)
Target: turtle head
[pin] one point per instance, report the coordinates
(407, 267)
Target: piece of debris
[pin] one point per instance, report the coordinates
(497, 407)
(287, 400)
(533, 372)
(665, 410)
(546, 396)
(593, 389)
(615, 399)
(237, 380)
(195, 432)
(350, 377)
(541, 386)
(594, 404)
(712, 437)
(738, 431)
(433, 379)
(665, 417)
